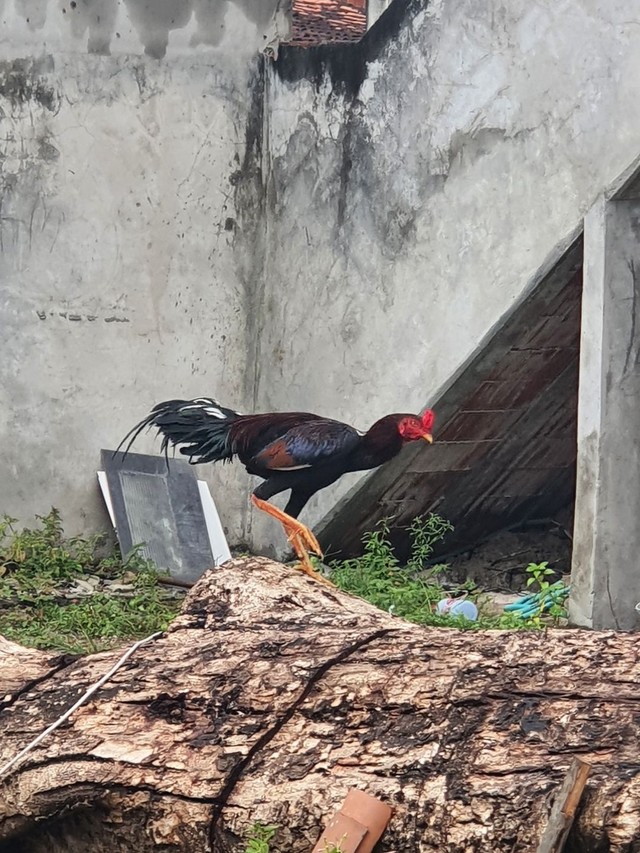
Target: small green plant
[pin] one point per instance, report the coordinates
(425, 532)
(258, 838)
(37, 564)
(539, 574)
(512, 622)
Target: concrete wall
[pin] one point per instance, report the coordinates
(415, 190)
(123, 280)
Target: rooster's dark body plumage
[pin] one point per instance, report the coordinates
(296, 451)
(299, 451)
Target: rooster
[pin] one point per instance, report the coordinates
(295, 451)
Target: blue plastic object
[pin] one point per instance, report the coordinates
(535, 603)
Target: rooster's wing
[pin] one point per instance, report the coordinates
(307, 444)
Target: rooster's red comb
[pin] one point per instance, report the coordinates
(428, 419)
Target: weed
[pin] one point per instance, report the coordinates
(37, 564)
(539, 574)
(412, 592)
(425, 533)
(378, 577)
(258, 838)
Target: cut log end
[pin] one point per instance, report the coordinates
(271, 696)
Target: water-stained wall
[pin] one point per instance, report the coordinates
(127, 186)
(104, 27)
(416, 184)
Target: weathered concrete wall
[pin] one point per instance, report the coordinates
(415, 190)
(123, 277)
(159, 28)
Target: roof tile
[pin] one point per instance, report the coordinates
(328, 21)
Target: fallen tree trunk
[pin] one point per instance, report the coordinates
(271, 696)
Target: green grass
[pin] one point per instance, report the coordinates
(411, 591)
(36, 563)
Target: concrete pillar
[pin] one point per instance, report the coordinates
(605, 578)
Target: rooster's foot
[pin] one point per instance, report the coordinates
(305, 565)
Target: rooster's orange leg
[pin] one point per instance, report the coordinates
(291, 525)
(298, 534)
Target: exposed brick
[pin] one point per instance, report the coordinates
(327, 21)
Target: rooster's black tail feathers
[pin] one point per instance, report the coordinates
(201, 426)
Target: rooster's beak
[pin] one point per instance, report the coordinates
(428, 437)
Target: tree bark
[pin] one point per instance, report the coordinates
(271, 695)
